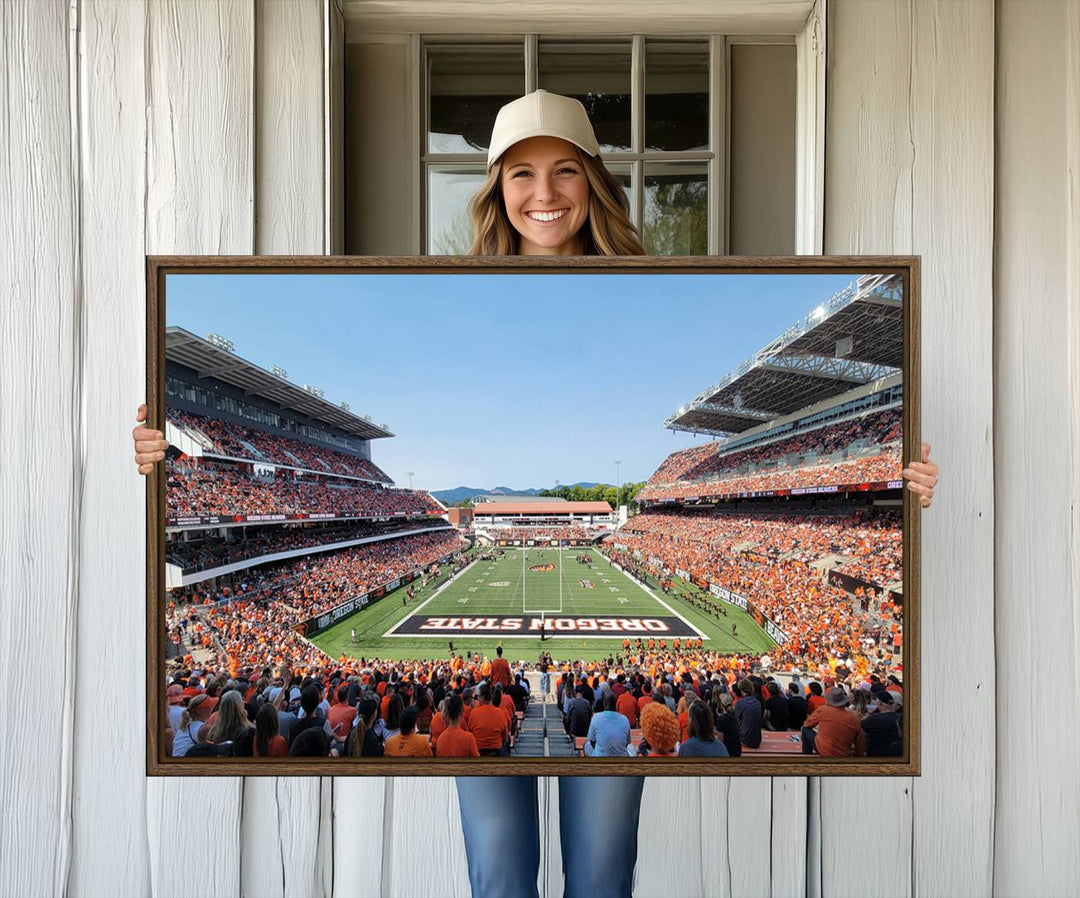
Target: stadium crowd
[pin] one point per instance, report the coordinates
(236, 441)
(874, 429)
(881, 467)
(706, 471)
(202, 553)
(645, 704)
(676, 465)
(203, 490)
(872, 538)
(253, 621)
(769, 561)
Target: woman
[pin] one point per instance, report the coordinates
(453, 741)
(232, 724)
(269, 743)
(393, 716)
(364, 742)
(701, 741)
(547, 193)
(860, 700)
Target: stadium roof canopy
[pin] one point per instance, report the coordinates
(208, 360)
(853, 339)
(528, 507)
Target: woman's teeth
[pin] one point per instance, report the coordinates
(546, 216)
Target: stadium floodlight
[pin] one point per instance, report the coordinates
(818, 313)
(314, 391)
(410, 473)
(618, 487)
(221, 342)
(345, 406)
(279, 372)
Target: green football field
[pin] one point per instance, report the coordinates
(519, 589)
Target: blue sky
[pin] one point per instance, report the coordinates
(504, 380)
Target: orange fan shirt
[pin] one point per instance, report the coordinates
(488, 724)
(456, 743)
(412, 746)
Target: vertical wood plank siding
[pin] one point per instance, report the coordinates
(109, 823)
(167, 126)
(1037, 447)
(909, 154)
(199, 195)
(286, 842)
(41, 452)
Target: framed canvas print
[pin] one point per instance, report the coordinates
(563, 516)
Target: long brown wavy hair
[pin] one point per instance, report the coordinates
(607, 230)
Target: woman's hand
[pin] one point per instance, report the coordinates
(921, 477)
(150, 445)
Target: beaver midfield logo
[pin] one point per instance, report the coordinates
(500, 583)
(587, 584)
(542, 567)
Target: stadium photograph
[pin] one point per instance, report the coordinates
(533, 515)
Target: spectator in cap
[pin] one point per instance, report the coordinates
(175, 697)
(192, 721)
(833, 731)
(882, 728)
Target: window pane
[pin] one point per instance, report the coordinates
(466, 87)
(597, 74)
(449, 191)
(623, 174)
(676, 209)
(676, 95)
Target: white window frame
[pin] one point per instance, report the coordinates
(810, 125)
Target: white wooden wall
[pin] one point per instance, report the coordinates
(953, 131)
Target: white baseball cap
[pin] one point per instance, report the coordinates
(541, 114)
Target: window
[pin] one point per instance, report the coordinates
(660, 108)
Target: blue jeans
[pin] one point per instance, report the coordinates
(598, 824)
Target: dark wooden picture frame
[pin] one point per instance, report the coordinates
(157, 764)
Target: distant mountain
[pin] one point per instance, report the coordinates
(461, 493)
(457, 494)
(506, 491)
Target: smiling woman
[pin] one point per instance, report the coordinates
(547, 190)
(546, 196)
